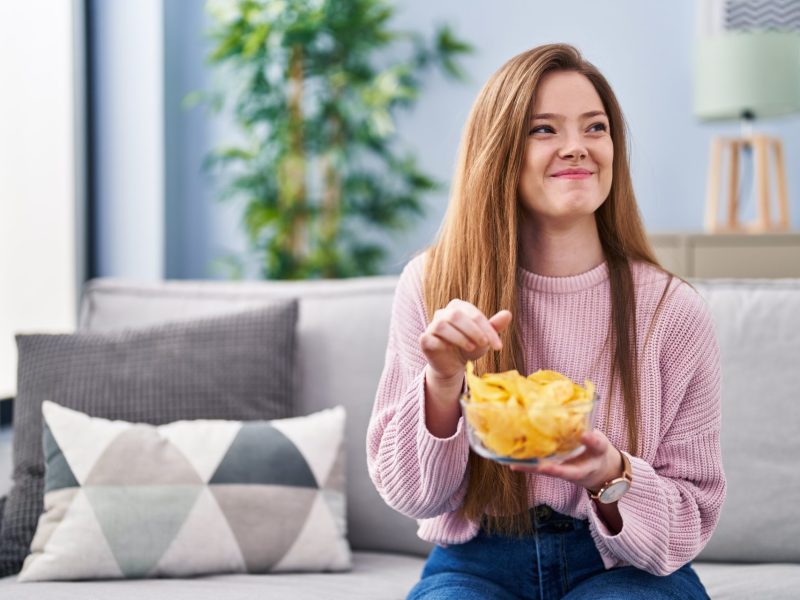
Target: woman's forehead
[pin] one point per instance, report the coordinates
(565, 94)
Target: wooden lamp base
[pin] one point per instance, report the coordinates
(761, 145)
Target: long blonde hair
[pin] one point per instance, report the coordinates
(475, 255)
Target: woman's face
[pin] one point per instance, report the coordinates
(568, 130)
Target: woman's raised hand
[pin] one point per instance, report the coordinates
(460, 332)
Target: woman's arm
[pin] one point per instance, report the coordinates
(442, 411)
(416, 466)
(673, 504)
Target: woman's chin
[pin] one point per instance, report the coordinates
(566, 208)
(575, 208)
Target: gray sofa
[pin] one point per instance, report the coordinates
(342, 331)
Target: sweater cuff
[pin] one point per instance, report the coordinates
(645, 531)
(442, 460)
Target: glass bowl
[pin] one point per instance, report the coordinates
(528, 436)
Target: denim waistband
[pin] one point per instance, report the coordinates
(546, 520)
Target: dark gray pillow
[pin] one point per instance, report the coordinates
(238, 366)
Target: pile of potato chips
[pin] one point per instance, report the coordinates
(521, 417)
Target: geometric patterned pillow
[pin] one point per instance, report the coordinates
(131, 500)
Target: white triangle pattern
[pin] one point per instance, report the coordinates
(317, 437)
(56, 504)
(205, 544)
(82, 438)
(77, 549)
(203, 442)
(318, 546)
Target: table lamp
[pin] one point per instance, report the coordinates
(747, 75)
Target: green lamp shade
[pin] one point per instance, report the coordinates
(747, 72)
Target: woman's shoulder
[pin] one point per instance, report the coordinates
(413, 273)
(653, 279)
(675, 298)
(409, 293)
(416, 266)
(646, 275)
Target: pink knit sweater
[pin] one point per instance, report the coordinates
(678, 483)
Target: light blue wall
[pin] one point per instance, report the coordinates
(644, 47)
(200, 228)
(128, 137)
(645, 50)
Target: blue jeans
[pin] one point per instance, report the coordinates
(559, 560)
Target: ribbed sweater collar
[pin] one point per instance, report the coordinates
(563, 285)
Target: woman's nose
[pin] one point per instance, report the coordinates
(573, 148)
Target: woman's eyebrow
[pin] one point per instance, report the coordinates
(555, 117)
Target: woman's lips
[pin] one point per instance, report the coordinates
(573, 176)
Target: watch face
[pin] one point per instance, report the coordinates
(615, 491)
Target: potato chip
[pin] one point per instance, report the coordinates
(484, 391)
(521, 417)
(545, 377)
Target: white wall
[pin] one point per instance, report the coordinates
(37, 175)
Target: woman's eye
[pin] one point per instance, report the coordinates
(542, 128)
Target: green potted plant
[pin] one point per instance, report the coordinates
(315, 88)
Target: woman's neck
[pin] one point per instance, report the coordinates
(560, 251)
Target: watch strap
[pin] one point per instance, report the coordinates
(627, 475)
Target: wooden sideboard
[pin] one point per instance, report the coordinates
(702, 255)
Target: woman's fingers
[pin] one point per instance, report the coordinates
(552, 469)
(472, 323)
(430, 343)
(463, 325)
(574, 472)
(595, 442)
(566, 471)
(449, 333)
(500, 320)
(477, 327)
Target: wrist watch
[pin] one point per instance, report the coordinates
(613, 490)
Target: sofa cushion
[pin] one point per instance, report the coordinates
(237, 366)
(342, 333)
(758, 328)
(374, 576)
(125, 500)
(731, 581)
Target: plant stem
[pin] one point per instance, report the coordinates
(296, 166)
(331, 204)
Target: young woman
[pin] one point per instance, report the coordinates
(542, 262)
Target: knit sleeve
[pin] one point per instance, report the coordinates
(673, 505)
(415, 472)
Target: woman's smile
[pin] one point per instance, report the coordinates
(576, 171)
(573, 176)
